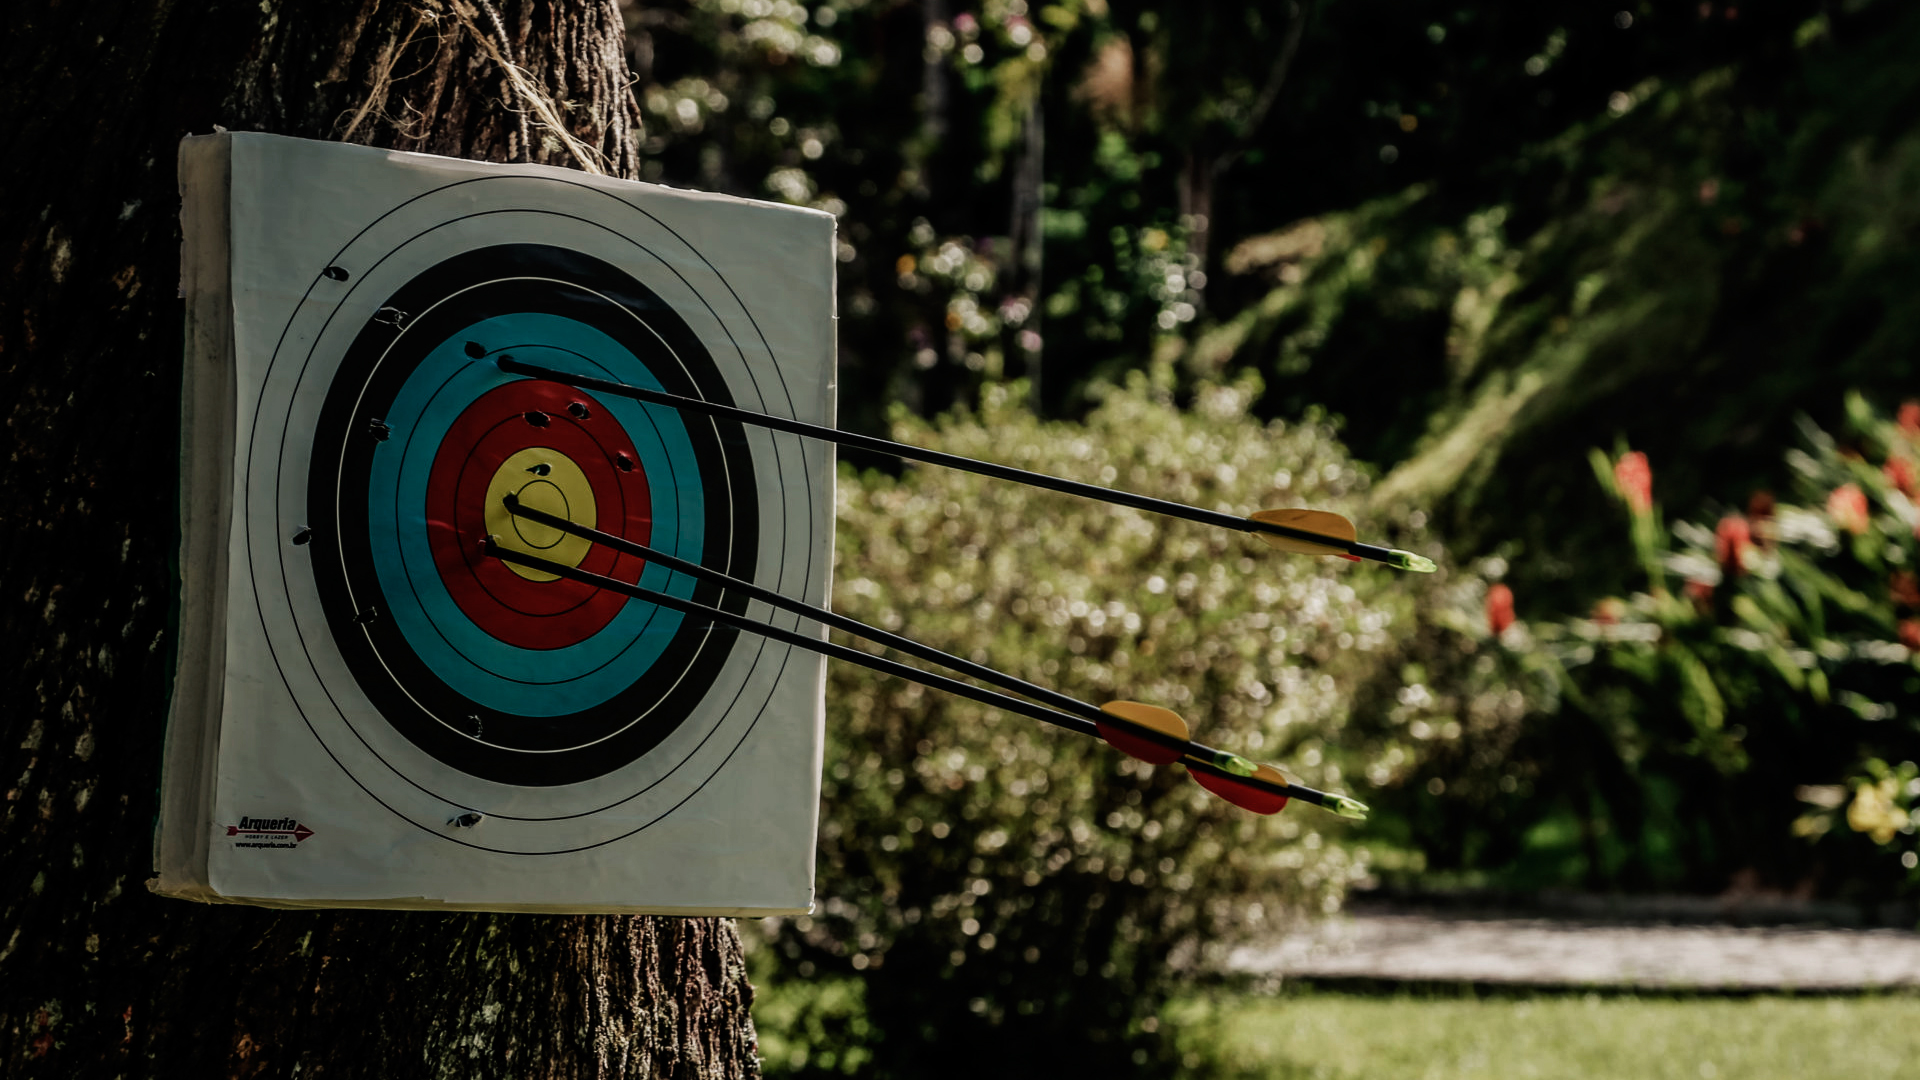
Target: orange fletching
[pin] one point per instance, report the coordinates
(1323, 522)
(1129, 719)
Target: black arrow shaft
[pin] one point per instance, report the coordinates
(933, 457)
(790, 637)
(1194, 755)
(1052, 698)
(876, 663)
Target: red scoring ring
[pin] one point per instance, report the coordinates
(482, 464)
(519, 612)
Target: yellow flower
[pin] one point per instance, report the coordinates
(1873, 811)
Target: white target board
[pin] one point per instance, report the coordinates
(369, 708)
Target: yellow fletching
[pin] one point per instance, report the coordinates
(1272, 776)
(1151, 717)
(1324, 522)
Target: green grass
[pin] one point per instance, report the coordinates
(1327, 1036)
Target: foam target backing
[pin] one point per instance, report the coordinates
(448, 728)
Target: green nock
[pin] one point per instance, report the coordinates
(1234, 763)
(1407, 560)
(1347, 808)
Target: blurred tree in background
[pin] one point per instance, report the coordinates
(1487, 236)
(1686, 259)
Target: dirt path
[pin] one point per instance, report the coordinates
(1543, 952)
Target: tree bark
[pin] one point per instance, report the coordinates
(97, 976)
(1027, 239)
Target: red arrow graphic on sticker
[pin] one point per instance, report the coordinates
(298, 832)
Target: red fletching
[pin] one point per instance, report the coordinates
(1245, 795)
(1131, 724)
(1136, 747)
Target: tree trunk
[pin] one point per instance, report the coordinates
(101, 978)
(1028, 242)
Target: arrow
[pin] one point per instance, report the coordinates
(1239, 780)
(1133, 728)
(1129, 726)
(1312, 532)
(1147, 732)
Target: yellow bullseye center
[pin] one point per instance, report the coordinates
(547, 480)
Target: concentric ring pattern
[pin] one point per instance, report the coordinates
(503, 677)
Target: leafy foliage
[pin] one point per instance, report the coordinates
(1756, 689)
(1703, 249)
(1534, 226)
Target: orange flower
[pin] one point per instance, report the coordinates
(1910, 418)
(1900, 474)
(1635, 479)
(1499, 608)
(1732, 539)
(1607, 612)
(1910, 634)
(1847, 506)
(1904, 589)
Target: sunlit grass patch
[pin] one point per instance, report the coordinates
(1328, 1036)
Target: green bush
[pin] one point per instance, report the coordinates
(998, 896)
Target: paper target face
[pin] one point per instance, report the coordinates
(383, 442)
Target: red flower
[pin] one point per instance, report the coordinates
(1499, 608)
(1910, 634)
(1701, 594)
(1847, 506)
(1732, 539)
(1635, 479)
(1910, 418)
(1900, 474)
(1904, 589)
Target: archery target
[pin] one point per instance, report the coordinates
(377, 439)
(498, 671)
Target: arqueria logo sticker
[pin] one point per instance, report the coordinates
(279, 832)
